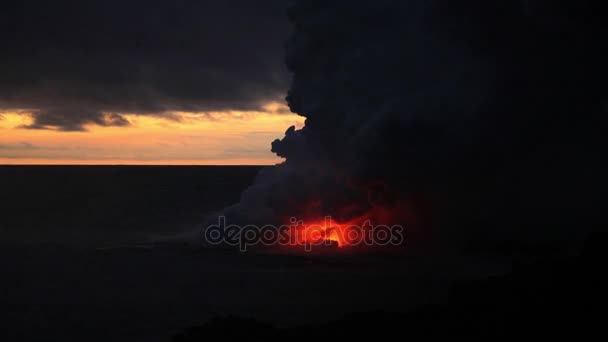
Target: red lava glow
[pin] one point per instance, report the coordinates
(330, 231)
(354, 232)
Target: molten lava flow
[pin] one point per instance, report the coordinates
(330, 232)
(371, 228)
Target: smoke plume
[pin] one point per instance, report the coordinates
(468, 119)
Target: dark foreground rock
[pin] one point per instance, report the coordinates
(561, 297)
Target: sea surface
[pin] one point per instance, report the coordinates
(73, 266)
(101, 205)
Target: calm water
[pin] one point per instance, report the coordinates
(108, 204)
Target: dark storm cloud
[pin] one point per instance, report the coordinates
(70, 61)
(73, 119)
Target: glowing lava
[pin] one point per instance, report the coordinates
(329, 232)
(324, 230)
(375, 227)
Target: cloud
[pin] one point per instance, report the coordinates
(18, 146)
(74, 119)
(73, 62)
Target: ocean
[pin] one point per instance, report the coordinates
(73, 267)
(108, 205)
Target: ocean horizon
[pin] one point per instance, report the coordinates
(103, 204)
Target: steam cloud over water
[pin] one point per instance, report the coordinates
(462, 119)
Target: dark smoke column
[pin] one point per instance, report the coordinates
(484, 116)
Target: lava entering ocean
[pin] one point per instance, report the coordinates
(377, 227)
(328, 231)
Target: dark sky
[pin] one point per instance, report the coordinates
(69, 61)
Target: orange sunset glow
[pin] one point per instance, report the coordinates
(177, 138)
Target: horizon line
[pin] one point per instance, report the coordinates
(118, 164)
(110, 162)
